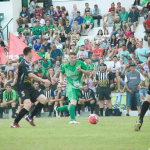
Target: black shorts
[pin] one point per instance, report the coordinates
(148, 91)
(87, 26)
(104, 94)
(28, 92)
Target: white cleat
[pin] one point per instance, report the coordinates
(74, 122)
(78, 115)
(57, 115)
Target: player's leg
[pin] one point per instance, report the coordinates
(101, 100)
(13, 106)
(3, 106)
(50, 108)
(92, 105)
(61, 105)
(129, 102)
(80, 102)
(144, 109)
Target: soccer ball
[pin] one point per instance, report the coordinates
(93, 119)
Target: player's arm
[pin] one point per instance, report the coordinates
(84, 69)
(62, 77)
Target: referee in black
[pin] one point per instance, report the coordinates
(104, 79)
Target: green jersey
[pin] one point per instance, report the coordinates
(88, 20)
(46, 28)
(37, 30)
(73, 76)
(9, 96)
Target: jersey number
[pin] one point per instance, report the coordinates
(23, 94)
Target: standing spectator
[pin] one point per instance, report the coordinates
(132, 81)
(24, 16)
(51, 12)
(96, 13)
(133, 18)
(142, 52)
(88, 22)
(37, 31)
(56, 54)
(79, 18)
(58, 13)
(104, 79)
(111, 17)
(87, 9)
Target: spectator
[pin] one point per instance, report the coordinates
(111, 17)
(142, 52)
(121, 41)
(51, 12)
(48, 53)
(98, 51)
(37, 31)
(123, 15)
(82, 53)
(24, 16)
(132, 48)
(58, 13)
(73, 13)
(9, 66)
(74, 38)
(32, 7)
(104, 44)
(63, 20)
(118, 8)
(27, 31)
(38, 12)
(47, 30)
(112, 7)
(37, 46)
(38, 17)
(46, 45)
(96, 13)
(42, 53)
(20, 36)
(128, 32)
(88, 46)
(79, 18)
(133, 18)
(87, 9)
(88, 22)
(147, 23)
(132, 81)
(67, 27)
(47, 64)
(59, 45)
(63, 35)
(56, 54)
(51, 20)
(65, 12)
(40, 69)
(76, 27)
(57, 67)
(86, 98)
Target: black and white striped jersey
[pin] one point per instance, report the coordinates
(87, 94)
(49, 93)
(103, 79)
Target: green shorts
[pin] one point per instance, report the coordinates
(73, 94)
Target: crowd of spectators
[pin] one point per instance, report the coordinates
(56, 33)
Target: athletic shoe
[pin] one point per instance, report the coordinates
(57, 115)
(74, 122)
(30, 120)
(138, 125)
(15, 125)
(78, 115)
(127, 115)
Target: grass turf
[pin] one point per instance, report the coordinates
(111, 133)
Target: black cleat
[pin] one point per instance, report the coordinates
(138, 125)
(127, 115)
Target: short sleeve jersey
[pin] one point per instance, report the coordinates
(9, 96)
(72, 74)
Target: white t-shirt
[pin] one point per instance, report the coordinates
(31, 9)
(113, 65)
(42, 22)
(82, 54)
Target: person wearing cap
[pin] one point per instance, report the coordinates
(132, 83)
(37, 31)
(98, 51)
(124, 54)
(133, 18)
(111, 18)
(96, 13)
(23, 18)
(88, 23)
(142, 52)
(79, 18)
(104, 79)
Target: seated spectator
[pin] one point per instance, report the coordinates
(57, 66)
(147, 23)
(142, 52)
(1, 33)
(58, 13)
(51, 12)
(20, 36)
(42, 53)
(37, 46)
(65, 12)
(111, 17)
(112, 7)
(58, 44)
(79, 18)
(49, 93)
(104, 44)
(2, 43)
(56, 28)
(123, 15)
(128, 32)
(63, 20)
(67, 27)
(132, 48)
(98, 37)
(32, 7)
(88, 22)
(73, 13)
(76, 27)
(96, 13)
(38, 17)
(37, 31)
(47, 30)
(27, 31)
(88, 46)
(48, 17)
(86, 98)
(124, 54)
(98, 51)
(23, 18)
(82, 53)
(56, 54)
(147, 6)
(9, 100)
(47, 64)
(75, 37)
(9, 66)
(40, 68)
(38, 12)
(48, 53)
(63, 36)
(29, 40)
(87, 9)
(59, 94)
(46, 45)
(121, 41)
(133, 18)
(118, 8)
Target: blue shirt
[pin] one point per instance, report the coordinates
(142, 51)
(94, 12)
(55, 53)
(37, 47)
(24, 14)
(47, 46)
(51, 12)
(80, 20)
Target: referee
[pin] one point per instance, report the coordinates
(104, 79)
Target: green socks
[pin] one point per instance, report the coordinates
(71, 111)
(63, 108)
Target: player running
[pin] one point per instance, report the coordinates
(27, 93)
(73, 71)
(145, 106)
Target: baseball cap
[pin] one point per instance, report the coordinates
(95, 5)
(132, 64)
(102, 64)
(133, 6)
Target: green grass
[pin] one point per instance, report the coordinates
(111, 133)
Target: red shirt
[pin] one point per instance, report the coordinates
(111, 9)
(97, 52)
(148, 23)
(39, 12)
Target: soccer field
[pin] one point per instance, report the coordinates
(111, 133)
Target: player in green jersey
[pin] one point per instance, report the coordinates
(9, 100)
(73, 71)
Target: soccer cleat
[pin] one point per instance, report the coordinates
(57, 115)
(74, 122)
(30, 120)
(15, 125)
(78, 115)
(138, 125)
(127, 115)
